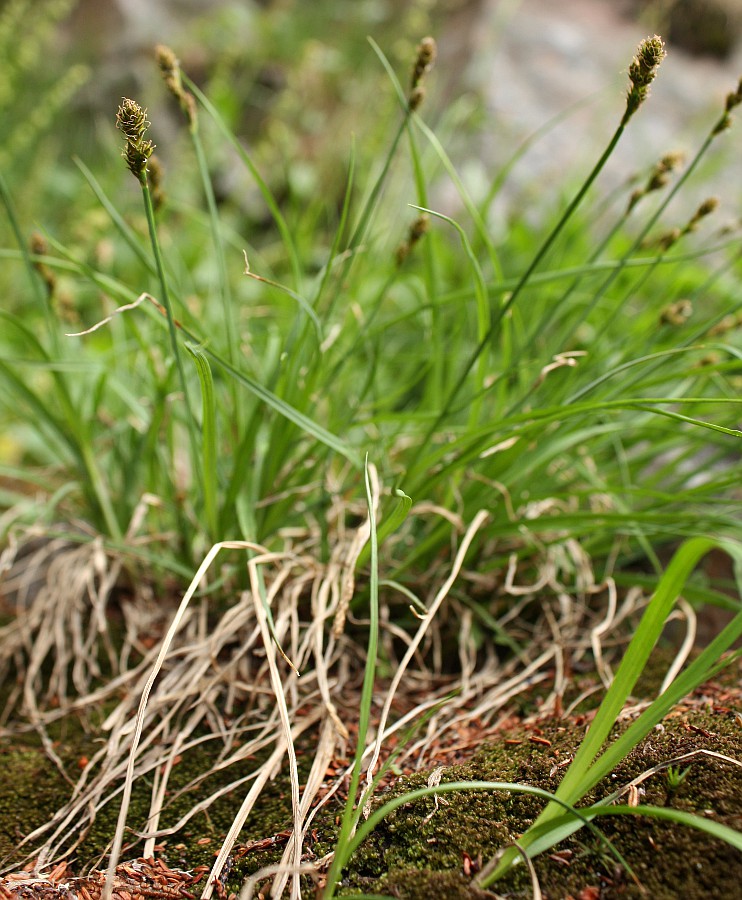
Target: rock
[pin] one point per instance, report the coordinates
(701, 27)
(534, 62)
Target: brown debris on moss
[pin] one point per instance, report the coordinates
(143, 878)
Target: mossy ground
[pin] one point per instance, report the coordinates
(32, 789)
(423, 853)
(412, 856)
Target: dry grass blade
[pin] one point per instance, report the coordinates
(266, 771)
(323, 756)
(471, 532)
(677, 760)
(686, 648)
(60, 593)
(262, 602)
(118, 838)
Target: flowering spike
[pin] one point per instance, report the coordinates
(415, 233)
(658, 178)
(131, 120)
(170, 68)
(426, 53)
(642, 72)
(710, 205)
(733, 100)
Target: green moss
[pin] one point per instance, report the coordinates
(448, 885)
(31, 790)
(411, 844)
(420, 852)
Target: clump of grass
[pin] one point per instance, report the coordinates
(528, 447)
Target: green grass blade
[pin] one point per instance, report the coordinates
(380, 813)
(524, 279)
(69, 429)
(123, 228)
(389, 524)
(217, 241)
(270, 200)
(677, 816)
(549, 834)
(704, 667)
(482, 231)
(634, 661)
(23, 250)
(483, 309)
(340, 229)
(167, 303)
(301, 301)
(280, 406)
(584, 772)
(208, 440)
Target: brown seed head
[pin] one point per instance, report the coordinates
(659, 176)
(131, 120)
(676, 313)
(642, 72)
(38, 246)
(668, 239)
(419, 227)
(649, 55)
(705, 209)
(170, 68)
(166, 59)
(733, 99)
(426, 53)
(673, 160)
(416, 231)
(136, 156)
(417, 95)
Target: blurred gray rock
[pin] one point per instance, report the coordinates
(117, 38)
(700, 27)
(528, 61)
(535, 62)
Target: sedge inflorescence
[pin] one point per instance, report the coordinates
(131, 120)
(171, 74)
(427, 51)
(643, 71)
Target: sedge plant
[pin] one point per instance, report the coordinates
(554, 461)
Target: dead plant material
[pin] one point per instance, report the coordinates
(142, 879)
(251, 673)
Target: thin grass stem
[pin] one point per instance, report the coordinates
(351, 815)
